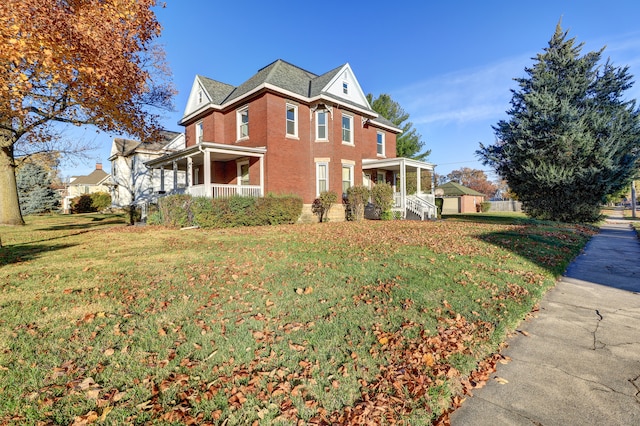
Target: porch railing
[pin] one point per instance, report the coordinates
(219, 190)
(223, 191)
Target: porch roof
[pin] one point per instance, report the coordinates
(222, 152)
(396, 164)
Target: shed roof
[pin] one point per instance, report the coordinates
(454, 189)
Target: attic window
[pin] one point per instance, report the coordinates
(345, 87)
(200, 96)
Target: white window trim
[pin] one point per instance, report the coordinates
(379, 174)
(347, 165)
(351, 129)
(384, 144)
(239, 165)
(199, 132)
(326, 125)
(318, 164)
(239, 123)
(295, 121)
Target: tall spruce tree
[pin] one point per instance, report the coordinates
(34, 190)
(572, 138)
(408, 143)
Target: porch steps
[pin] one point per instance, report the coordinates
(420, 209)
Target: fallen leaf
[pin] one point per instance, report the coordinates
(105, 412)
(108, 352)
(501, 380)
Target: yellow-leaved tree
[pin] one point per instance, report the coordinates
(82, 62)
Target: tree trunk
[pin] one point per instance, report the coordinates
(9, 203)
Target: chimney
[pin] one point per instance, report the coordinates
(98, 166)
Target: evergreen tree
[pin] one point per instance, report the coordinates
(408, 143)
(571, 138)
(34, 190)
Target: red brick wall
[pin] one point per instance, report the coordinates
(289, 163)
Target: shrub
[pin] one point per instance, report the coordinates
(382, 196)
(82, 204)
(277, 209)
(175, 210)
(100, 200)
(183, 210)
(322, 205)
(439, 204)
(485, 206)
(134, 213)
(357, 197)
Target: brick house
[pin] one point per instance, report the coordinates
(287, 130)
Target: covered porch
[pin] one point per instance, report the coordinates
(213, 170)
(422, 202)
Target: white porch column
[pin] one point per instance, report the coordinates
(261, 175)
(403, 186)
(188, 174)
(161, 179)
(175, 175)
(207, 174)
(418, 181)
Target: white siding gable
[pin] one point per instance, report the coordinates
(176, 143)
(343, 81)
(198, 97)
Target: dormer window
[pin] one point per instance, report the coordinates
(345, 87)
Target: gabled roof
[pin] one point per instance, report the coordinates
(453, 189)
(96, 177)
(125, 147)
(290, 79)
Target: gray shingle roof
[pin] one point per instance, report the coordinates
(93, 178)
(454, 189)
(218, 91)
(125, 147)
(280, 74)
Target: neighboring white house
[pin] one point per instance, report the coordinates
(133, 182)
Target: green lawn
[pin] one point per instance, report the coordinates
(313, 324)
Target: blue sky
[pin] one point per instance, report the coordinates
(450, 65)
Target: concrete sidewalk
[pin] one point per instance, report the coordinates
(578, 362)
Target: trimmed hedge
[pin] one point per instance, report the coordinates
(184, 210)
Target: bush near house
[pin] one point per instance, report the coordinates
(89, 203)
(483, 207)
(357, 197)
(100, 200)
(322, 205)
(184, 210)
(439, 204)
(382, 197)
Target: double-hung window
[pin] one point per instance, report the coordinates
(199, 132)
(243, 173)
(347, 129)
(322, 177)
(321, 125)
(380, 143)
(347, 177)
(242, 119)
(292, 120)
